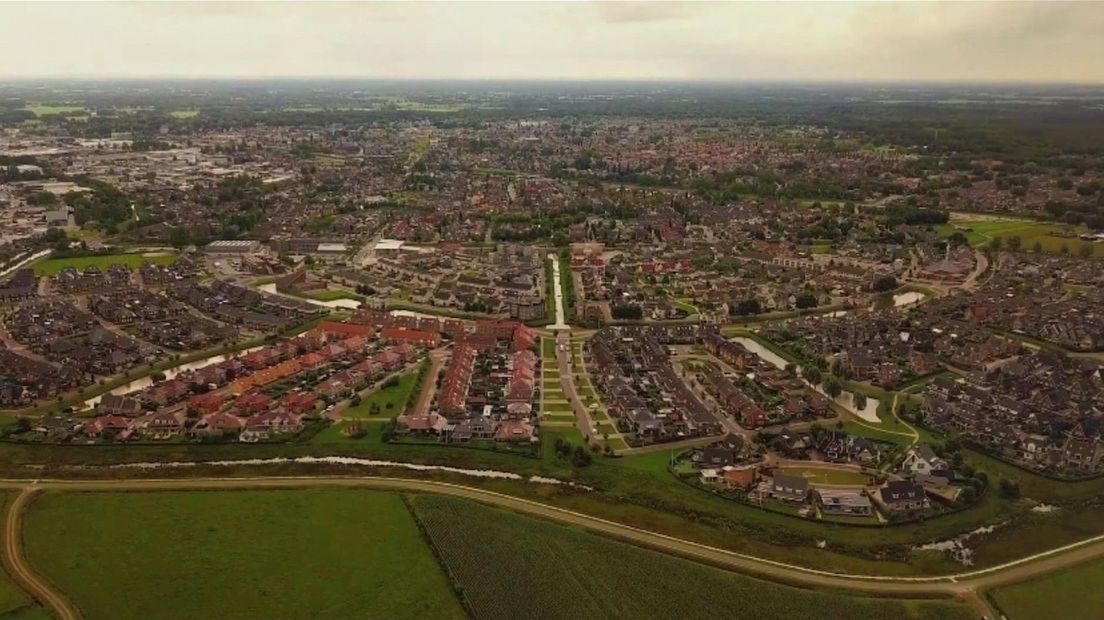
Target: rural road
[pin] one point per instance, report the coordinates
(966, 586)
(17, 567)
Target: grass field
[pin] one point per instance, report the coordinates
(391, 400)
(983, 231)
(332, 294)
(1069, 594)
(821, 475)
(41, 109)
(51, 266)
(184, 114)
(569, 573)
(247, 555)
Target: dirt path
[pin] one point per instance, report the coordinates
(21, 572)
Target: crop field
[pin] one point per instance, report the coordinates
(51, 266)
(982, 231)
(1036, 599)
(323, 553)
(570, 573)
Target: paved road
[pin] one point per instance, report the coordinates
(965, 586)
(17, 567)
(567, 381)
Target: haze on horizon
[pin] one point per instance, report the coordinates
(890, 41)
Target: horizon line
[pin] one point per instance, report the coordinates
(555, 80)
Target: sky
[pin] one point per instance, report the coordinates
(726, 42)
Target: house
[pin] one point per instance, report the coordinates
(743, 477)
(113, 404)
(715, 457)
(514, 431)
(844, 502)
(163, 425)
(922, 461)
(219, 423)
(789, 489)
(903, 496)
(111, 424)
(270, 423)
(204, 404)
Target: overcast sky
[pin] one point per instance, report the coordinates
(1031, 42)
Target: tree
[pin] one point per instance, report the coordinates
(885, 284)
(806, 300)
(157, 377)
(791, 369)
(580, 457)
(747, 306)
(1015, 243)
(832, 387)
(812, 374)
(860, 401)
(996, 244)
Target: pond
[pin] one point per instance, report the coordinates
(869, 413)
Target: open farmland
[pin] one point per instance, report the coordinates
(1074, 587)
(51, 266)
(253, 554)
(569, 573)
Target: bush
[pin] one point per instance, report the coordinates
(1009, 489)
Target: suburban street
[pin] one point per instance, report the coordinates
(966, 586)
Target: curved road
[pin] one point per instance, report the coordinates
(965, 586)
(21, 572)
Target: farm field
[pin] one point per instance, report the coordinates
(982, 231)
(51, 266)
(298, 554)
(570, 573)
(822, 475)
(1036, 599)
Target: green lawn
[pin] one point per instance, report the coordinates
(821, 475)
(571, 573)
(983, 231)
(51, 266)
(244, 554)
(391, 400)
(1068, 594)
(332, 295)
